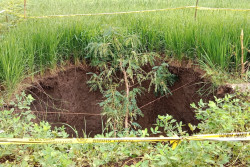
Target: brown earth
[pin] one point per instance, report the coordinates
(67, 92)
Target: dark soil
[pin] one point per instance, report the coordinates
(184, 92)
(67, 92)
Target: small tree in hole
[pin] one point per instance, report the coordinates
(120, 61)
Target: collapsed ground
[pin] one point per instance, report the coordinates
(64, 98)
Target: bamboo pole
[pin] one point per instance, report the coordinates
(242, 53)
(196, 9)
(6, 18)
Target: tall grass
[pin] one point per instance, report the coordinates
(36, 44)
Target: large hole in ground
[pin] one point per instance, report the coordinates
(64, 98)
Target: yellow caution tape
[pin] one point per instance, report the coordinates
(223, 9)
(130, 12)
(2, 11)
(243, 136)
(139, 11)
(11, 13)
(174, 141)
(114, 13)
(84, 140)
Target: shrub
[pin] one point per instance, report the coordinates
(120, 61)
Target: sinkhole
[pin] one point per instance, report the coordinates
(64, 98)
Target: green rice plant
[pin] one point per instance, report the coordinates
(38, 44)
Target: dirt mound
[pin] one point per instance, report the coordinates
(67, 92)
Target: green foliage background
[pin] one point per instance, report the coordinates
(37, 44)
(229, 114)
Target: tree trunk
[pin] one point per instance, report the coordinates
(127, 94)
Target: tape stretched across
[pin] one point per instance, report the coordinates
(11, 13)
(84, 140)
(223, 9)
(2, 11)
(130, 12)
(243, 136)
(139, 11)
(114, 13)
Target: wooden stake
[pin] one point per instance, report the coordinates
(196, 9)
(6, 18)
(242, 53)
(25, 3)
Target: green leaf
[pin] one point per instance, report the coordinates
(145, 163)
(212, 104)
(30, 117)
(193, 105)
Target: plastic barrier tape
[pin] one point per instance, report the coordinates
(114, 13)
(174, 143)
(83, 140)
(2, 11)
(139, 11)
(224, 9)
(244, 136)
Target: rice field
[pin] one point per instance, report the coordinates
(33, 45)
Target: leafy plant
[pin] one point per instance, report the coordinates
(229, 114)
(224, 115)
(120, 62)
(18, 123)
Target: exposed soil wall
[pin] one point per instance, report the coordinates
(67, 92)
(184, 92)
